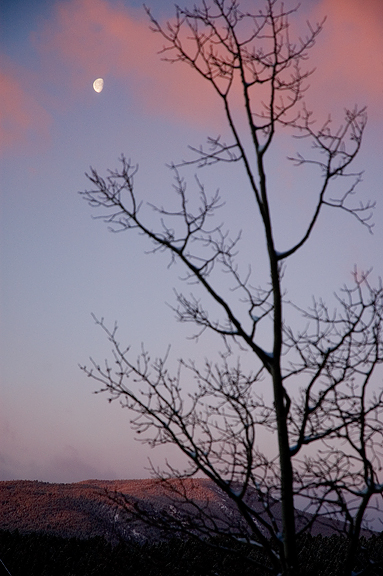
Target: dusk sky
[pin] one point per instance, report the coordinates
(58, 265)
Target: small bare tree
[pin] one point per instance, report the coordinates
(329, 433)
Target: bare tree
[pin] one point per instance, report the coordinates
(329, 433)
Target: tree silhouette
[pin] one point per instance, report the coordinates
(328, 424)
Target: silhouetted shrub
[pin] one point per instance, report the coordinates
(39, 554)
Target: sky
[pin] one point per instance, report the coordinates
(59, 265)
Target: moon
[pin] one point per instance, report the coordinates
(98, 85)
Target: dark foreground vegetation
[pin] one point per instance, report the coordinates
(38, 554)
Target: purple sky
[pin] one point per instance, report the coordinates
(58, 265)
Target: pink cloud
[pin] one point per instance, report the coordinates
(96, 38)
(84, 39)
(348, 54)
(22, 118)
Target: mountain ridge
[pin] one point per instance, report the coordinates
(93, 507)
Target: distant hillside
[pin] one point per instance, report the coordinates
(86, 509)
(83, 509)
(79, 530)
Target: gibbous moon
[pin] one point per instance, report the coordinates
(98, 85)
